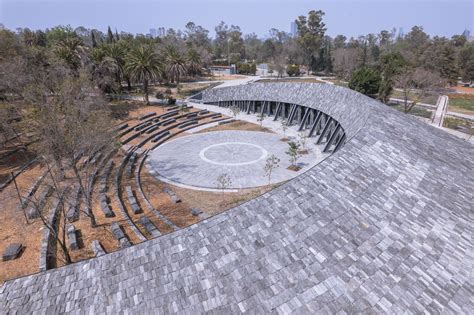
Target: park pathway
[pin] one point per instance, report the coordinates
(441, 110)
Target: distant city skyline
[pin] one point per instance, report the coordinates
(349, 18)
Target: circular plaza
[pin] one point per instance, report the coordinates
(196, 161)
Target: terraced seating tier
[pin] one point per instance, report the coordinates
(73, 212)
(119, 235)
(97, 248)
(104, 205)
(72, 237)
(147, 115)
(149, 226)
(33, 211)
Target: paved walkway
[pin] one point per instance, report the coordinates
(241, 155)
(441, 109)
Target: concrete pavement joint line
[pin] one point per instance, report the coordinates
(202, 153)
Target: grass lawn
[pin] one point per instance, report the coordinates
(415, 111)
(430, 98)
(458, 124)
(461, 103)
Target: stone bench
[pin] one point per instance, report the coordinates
(147, 115)
(95, 158)
(227, 121)
(188, 123)
(130, 164)
(104, 205)
(12, 252)
(32, 191)
(72, 237)
(160, 136)
(213, 116)
(105, 177)
(168, 122)
(172, 194)
(172, 108)
(97, 248)
(122, 127)
(149, 226)
(196, 211)
(119, 235)
(72, 213)
(142, 126)
(33, 212)
(203, 112)
(170, 114)
(192, 115)
(132, 200)
(152, 129)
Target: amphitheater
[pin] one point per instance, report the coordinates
(382, 224)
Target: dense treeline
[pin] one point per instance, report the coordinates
(116, 60)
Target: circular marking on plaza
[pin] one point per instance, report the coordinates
(197, 160)
(229, 153)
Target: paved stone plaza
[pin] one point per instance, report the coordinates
(384, 225)
(197, 160)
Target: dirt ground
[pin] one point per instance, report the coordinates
(13, 227)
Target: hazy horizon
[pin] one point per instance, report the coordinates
(350, 18)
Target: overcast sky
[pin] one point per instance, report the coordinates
(351, 18)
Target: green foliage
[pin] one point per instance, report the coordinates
(391, 64)
(293, 148)
(311, 30)
(247, 68)
(59, 33)
(366, 81)
(293, 70)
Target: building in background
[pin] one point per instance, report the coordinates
(223, 70)
(293, 29)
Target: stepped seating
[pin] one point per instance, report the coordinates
(97, 248)
(192, 115)
(174, 198)
(32, 191)
(118, 190)
(147, 115)
(119, 235)
(149, 226)
(33, 211)
(96, 158)
(153, 128)
(132, 200)
(130, 164)
(168, 122)
(172, 108)
(122, 127)
(72, 213)
(104, 205)
(227, 121)
(188, 123)
(49, 241)
(145, 199)
(142, 126)
(161, 136)
(169, 114)
(203, 112)
(72, 237)
(105, 177)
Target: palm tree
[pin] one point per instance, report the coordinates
(176, 64)
(69, 49)
(194, 62)
(117, 52)
(143, 66)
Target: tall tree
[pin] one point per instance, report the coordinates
(175, 64)
(311, 30)
(144, 66)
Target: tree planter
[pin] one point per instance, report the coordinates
(295, 168)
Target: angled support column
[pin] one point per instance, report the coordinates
(325, 130)
(269, 108)
(332, 138)
(248, 107)
(315, 123)
(277, 111)
(339, 143)
(305, 117)
(291, 115)
(262, 108)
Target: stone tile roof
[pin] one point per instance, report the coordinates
(383, 225)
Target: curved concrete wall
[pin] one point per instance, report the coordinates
(383, 225)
